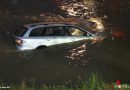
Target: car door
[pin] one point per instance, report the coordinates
(56, 35)
(35, 38)
(77, 34)
(51, 36)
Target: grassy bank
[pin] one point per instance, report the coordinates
(94, 82)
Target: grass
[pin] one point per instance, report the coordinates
(94, 83)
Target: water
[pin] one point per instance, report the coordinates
(66, 63)
(109, 58)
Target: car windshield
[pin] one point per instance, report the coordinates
(20, 31)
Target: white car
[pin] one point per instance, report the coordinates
(33, 36)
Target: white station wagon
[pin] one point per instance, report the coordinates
(33, 36)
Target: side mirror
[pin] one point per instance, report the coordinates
(88, 34)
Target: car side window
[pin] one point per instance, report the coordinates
(36, 32)
(47, 31)
(74, 31)
(54, 31)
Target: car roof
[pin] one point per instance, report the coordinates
(47, 24)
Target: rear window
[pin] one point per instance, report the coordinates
(20, 31)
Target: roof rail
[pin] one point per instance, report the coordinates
(35, 24)
(47, 23)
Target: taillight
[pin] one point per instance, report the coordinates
(18, 41)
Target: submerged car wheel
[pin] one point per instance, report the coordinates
(41, 47)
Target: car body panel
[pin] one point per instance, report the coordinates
(33, 43)
(30, 42)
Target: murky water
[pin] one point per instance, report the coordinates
(110, 59)
(66, 63)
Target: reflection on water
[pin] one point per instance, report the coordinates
(77, 53)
